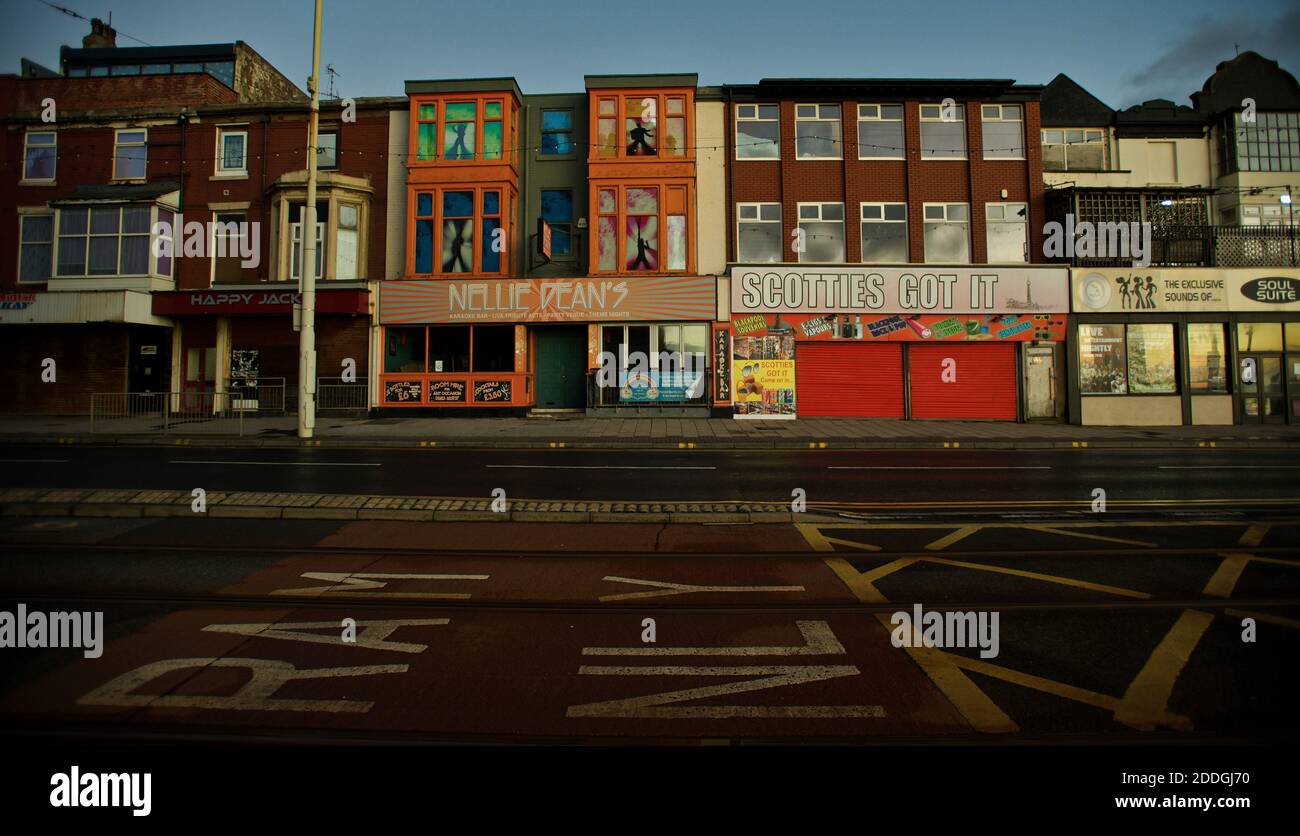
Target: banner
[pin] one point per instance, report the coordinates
(1186, 289)
(906, 328)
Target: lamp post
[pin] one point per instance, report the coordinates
(307, 334)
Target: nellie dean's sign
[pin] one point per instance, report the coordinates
(548, 300)
(956, 289)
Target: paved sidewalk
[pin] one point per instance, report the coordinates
(624, 433)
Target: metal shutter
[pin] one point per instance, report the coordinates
(985, 386)
(849, 379)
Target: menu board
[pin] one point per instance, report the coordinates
(492, 391)
(446, 391)
(402, 391)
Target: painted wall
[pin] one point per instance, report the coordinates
(711, 186)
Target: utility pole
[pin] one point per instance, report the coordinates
(307, 335)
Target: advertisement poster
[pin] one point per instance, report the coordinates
(659, 386)
(763, 377)
(906, 327)
(1102, 361)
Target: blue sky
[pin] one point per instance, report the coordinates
(1124, 51)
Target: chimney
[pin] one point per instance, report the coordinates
(101, 36)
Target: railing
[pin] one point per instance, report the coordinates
(333, 394)
(165, 412)
(1215, 246)
(262, 395)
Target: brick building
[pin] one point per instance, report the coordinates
(880, 235)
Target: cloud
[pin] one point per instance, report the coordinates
(1185, 65)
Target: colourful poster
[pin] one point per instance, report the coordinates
(912, 327)
(763, 377)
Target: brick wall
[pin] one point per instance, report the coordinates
(88, 359)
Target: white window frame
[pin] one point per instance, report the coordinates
(863, 220)
(244, 229)
(866, 114)
(27, 146)
(757, 206)
(838, 120)
(961, 117)
(820, 206)
(295, 242)
(339, 229)
(1065, 144)
(119, 144)
(334, 132)
(1001, 117)
(739, 117)
(218, 165)
(150, 271)
(36, 212)
(990, 220)
(946, 209)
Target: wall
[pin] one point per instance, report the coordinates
(88, 359)
(711, 186)
(1125, 410)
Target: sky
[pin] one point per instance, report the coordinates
(1123, 51)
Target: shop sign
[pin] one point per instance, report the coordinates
(179, 303)
(922, 289)
(913, 327)
(16, 301)
(492, 391)
(549, 300)
(446, 391)
(402, 391)
(1187, 289)
(721, 366)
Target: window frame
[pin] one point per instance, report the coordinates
(568, 225)
(1002, 120)
(926, 220)
(504, 215)
(219, 168)
(879, 117)
(151, 270)
(738, 118)
(244, 229)
(36, 212)
(620, 98)
(990, 221)
(440, 101)
(961, 119)
(820, 206)
(334, 132)
(863, 221)
(1065, 146)
(779, 222)
(117, 157)
(837, 121)
(545, 132)
(28, 147)
(620, 187)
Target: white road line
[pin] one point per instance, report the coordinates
(939, 467)
(592, 467)
(35, 461)
(282, 464)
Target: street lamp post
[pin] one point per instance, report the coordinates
(307, 334)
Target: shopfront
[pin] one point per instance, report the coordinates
(966, 342)
(1175, 346)
(603, 346)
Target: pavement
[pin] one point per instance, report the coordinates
(630, 433)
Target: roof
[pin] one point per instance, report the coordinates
(145, 54)
(925, 88)
(118, 192)
(1066, 104)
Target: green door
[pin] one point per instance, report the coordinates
(562, 367)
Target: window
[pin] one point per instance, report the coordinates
(1207, 358)
(297, 210)
(466, 129)
(1003, 128)
(884, 233)
(947, 233)
(557, 210)
(758, 232)
(492, 130)
(941, 137)
(1265, 215)
(641, 228)
(1259, 336)
(1006, 232)
(327, 150)
(494, 348)
(654, 125)
(1102, 366)
(817, 131)
(346, 242)
(451, 349)
(223, 71)
(1074, 150)
(1127, 359)
(426, 132)
(823, 232)
(125, 69)
(228, 229)
(404, 349)
(448, 349)
(130, 155)
(232, 151)
(104, 241)
(458, 130)
(165, 243)
(557, 132)
(460, 226)
(656, 363)
(880, 132)
(37, 247)
(40, 154)
(1270, 143)
(1151, 358)
(758, 132)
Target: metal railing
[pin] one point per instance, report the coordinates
(262, 395)
(333, 394)
(150, 413)
(1215, 246)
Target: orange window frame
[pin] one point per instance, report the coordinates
(520, 376)
(508, 120)
(620, 99)
(676, 197)
(503, 216)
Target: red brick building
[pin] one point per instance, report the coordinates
(862, 217)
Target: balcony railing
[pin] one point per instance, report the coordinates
(1215, 246)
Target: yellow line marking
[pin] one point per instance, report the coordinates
(854, 580)
(821, 543)
(948, 539)
(1050, 529)
(1021, 573)
(1226, 576)
(1146, 702)
(1254, 535)
(1268, 618)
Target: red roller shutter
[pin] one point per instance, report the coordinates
(985, 386)
(849, 379)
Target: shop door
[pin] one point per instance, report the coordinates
(963, 380)
(1260, 388)
(150, 361)
(849, 379)
(562, 367)
(200, 379)
(1040, 381)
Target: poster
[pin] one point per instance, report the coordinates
(762, 377)
(657, 386)
(446, 391)
(492, 391)
(1102, 363)
(403, 391)
(908, 327)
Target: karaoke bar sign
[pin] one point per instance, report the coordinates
(947, 289)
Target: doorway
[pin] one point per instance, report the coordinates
(1260, 389)
(561, 367)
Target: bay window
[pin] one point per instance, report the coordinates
(461, 128)
(106, 241)
(645, 124)
(456, 230)
(641, 227)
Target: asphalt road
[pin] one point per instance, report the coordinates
(848, 476)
